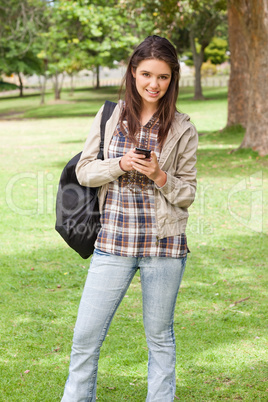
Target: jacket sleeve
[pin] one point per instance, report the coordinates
(93, 172)
(180, 187)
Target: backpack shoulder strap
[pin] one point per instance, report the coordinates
(106, 114)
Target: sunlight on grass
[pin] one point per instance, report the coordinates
(217, 146)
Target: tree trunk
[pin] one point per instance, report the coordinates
(256, 136)
(42, 89)
(198, 61)
(61, 84)
(252, 18)
(72, 84)
(97, 76)
(56, 86)
(238, 90)
(21, 85)
(44, 84)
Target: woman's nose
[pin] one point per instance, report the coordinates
(154, 82)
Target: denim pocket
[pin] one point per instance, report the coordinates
(102, 253)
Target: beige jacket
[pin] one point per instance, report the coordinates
(177, 159)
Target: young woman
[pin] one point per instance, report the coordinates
(143, 203)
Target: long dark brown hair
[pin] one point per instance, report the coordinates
(153, 47)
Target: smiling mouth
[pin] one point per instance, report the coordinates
(152, 92)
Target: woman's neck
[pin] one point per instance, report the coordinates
(146, 114)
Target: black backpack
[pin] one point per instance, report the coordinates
(77, 207)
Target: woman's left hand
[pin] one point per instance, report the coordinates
(150, 168)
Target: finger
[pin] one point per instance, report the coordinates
(142, 162)
(145, 169)
(131, 152)
(138, 158)
(140, 169)
(153, 156)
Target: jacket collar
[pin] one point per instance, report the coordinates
(180, 124)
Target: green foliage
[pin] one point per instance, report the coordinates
(100, 30)
(6, 86)
(27, 63)
(37, 37)
(202, 18)
(216, 51)
(91, 34)
(20, 22)
(188, 58)
(199, 17)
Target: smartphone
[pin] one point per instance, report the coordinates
(146, 152)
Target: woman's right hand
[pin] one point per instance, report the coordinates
(126, 161)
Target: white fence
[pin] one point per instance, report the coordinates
(215, 81)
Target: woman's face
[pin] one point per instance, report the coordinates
(152, 77)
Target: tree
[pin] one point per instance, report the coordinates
(20, 22)
(215, 52)
(238, 91)
(102, 30)
(54, 48)
(248, 88)
(201, 18)
(26, 64)
(189, 24)
(76, 62)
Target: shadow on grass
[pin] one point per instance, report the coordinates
(186, 94)
(68, 106)
(61, 165)
(240, 163)
(102, 90)
(25, 96)
(219, 154)
(82, 141)
(83, 108)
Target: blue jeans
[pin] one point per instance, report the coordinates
(108, 279)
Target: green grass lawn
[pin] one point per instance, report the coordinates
(221, 314)
(208, 115)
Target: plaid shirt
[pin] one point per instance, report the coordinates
(128, 218)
